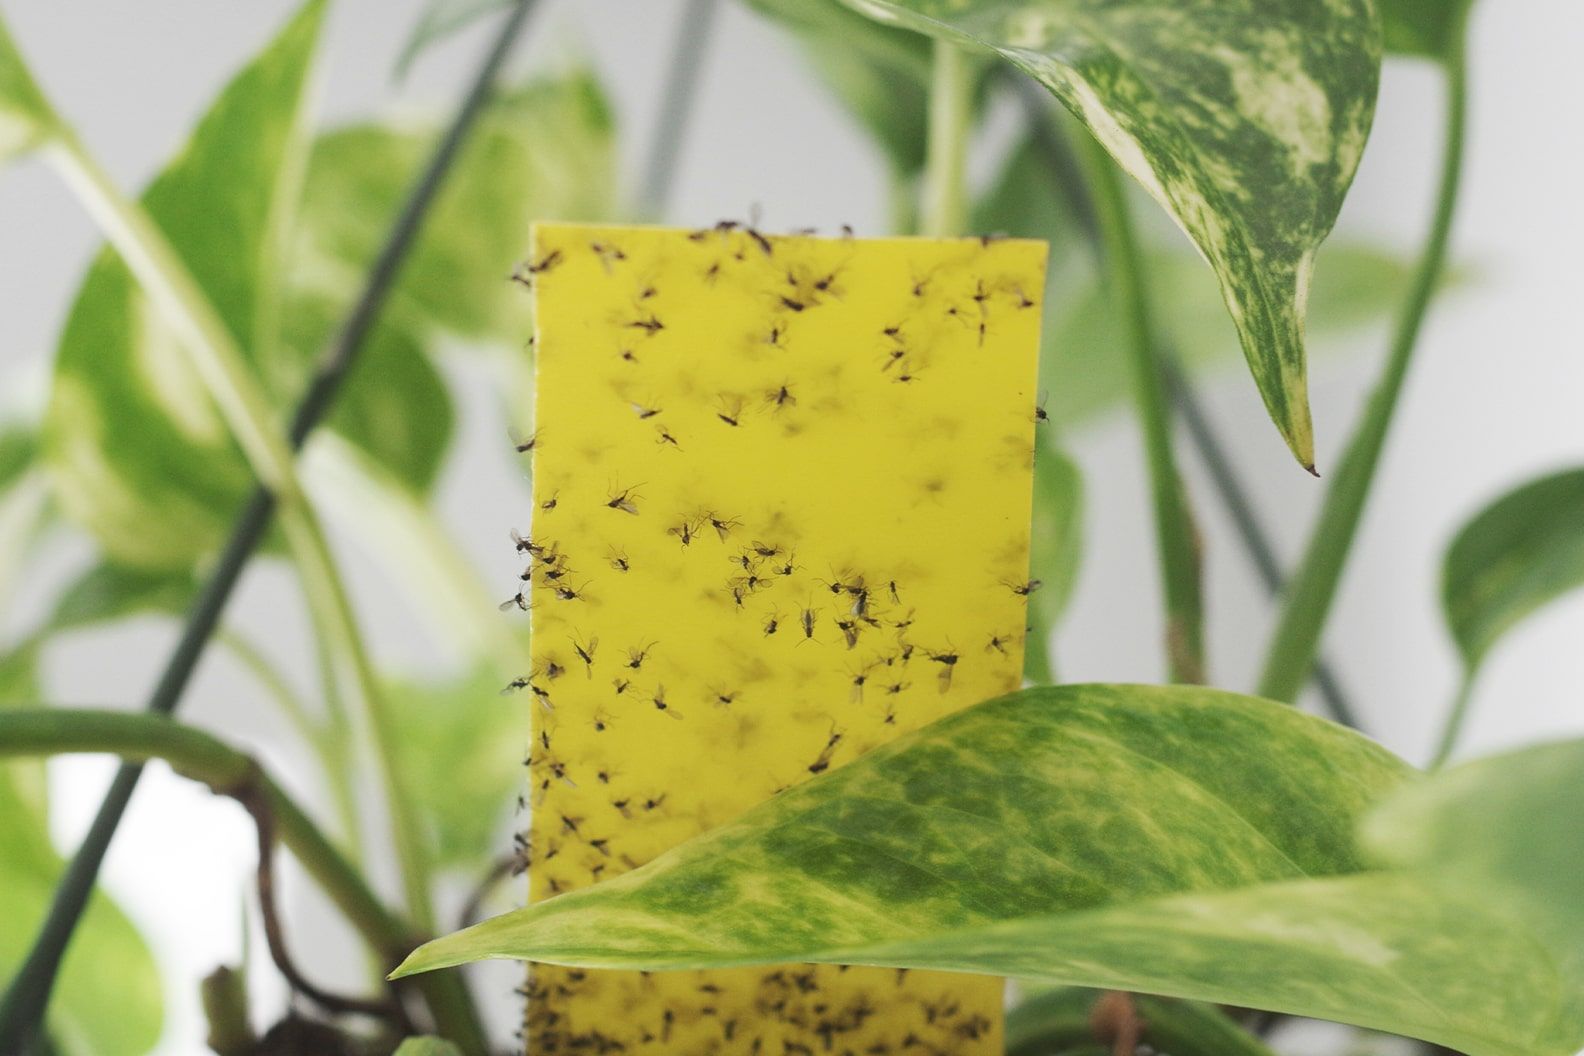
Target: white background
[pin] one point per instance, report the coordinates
(1495, 395)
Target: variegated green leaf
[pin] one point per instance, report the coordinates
(1083, 362)
(1520, 552)
(1244, 119)
(1356, 286)
(139, 453)
(1178, 841)
(26, 119)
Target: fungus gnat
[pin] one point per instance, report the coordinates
(650, 325)
(585, 652)
(644, 413)
(518, 600)
(684, 532)
(723, 525)
(624, 500)
(664, 437)
(544, 263)
(636, 657)
(948, 663)
(550, 503)
(1023, 590)
(619, 562)
(524, 445)
(661, 705)
(781, 397)
(730, 411)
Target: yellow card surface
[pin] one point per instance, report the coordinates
(782, 493)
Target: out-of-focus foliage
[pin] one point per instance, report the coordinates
(1523, 550)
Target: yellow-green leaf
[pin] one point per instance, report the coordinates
(26, 119)
(1170, 840)
(1244, 119)
(1520, 552)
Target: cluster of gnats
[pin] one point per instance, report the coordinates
(861, 616)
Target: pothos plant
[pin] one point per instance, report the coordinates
(1219, 852)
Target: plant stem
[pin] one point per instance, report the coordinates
(1176, 538)
(23, 1007)
(421, 556)
(325, 738)
(945, 210)
(201, 757)
(336, 622)
(676, 105)
(223, 366)
(1308, 601)
(1457, 716)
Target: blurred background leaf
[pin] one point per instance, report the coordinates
(138, 451)
(881, 74)
(26, 118)
(462, 743)
(543, 151)
(1523, 550)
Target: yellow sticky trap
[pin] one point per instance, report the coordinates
(782, 493)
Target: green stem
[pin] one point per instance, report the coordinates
(945, 211)
(1058, 1021)
(420, 555)
(1308, 599)
(220, 362)
(258, 666)
(326, 738)
(1176, 538)
(1457, 716)
(676, 106)
(201, 757)
(337, 623)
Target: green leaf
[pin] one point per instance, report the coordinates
(1518, 553)
(460, 742)
(1177, 841)
(880, 74)
(427, 1046)
(139, 453)
(1055, 546)
(107, 592)
(26, 118)
(544, 151)
(1245, 120)
(18, 449)
(1431, 29)
(395, 405)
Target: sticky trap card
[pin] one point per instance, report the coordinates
(781, 493)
